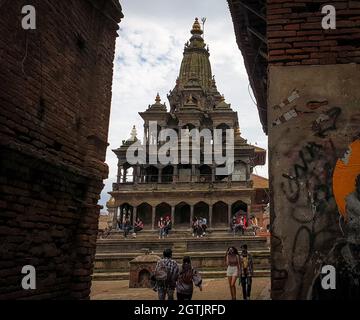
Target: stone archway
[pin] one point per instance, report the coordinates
(162, 210)
(144, 212)
(125, 209)
(144, 279)
(220, 214)
(239, 207)
(182, 215)
(201, 209)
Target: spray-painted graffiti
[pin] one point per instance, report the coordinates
(326, 122)
(307, 186)
(309, 131)
(310, 179)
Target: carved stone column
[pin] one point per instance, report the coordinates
(191, 214)
(153, 218)
(229, 213)
(134, 215)
(173, 216)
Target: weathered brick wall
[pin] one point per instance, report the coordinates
(55, 95)
(295, 35)
(309, 134)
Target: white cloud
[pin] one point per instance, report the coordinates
(148, 57)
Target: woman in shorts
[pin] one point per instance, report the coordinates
(233, 269)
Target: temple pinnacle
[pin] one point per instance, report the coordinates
(196, 28)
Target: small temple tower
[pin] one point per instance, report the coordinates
(187, 189)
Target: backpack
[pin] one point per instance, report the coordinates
(161, 271)
(187, 276)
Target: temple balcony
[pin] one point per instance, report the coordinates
(196, 184)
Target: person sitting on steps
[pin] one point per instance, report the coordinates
(167, 226)
(161, 226)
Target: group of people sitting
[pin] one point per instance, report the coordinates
(129, 228)
(164, 225)
(240, 223)
(199, 226)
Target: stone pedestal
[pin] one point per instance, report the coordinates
(141, 269)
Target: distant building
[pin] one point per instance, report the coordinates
(185, 190)
(261, 200)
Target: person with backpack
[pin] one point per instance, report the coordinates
(246, 272)
(188, 276)
(232, 261)
(166, 275)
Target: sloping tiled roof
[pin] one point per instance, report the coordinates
(259, 182)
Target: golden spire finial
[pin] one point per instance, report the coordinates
(157, 99)
(196, 28)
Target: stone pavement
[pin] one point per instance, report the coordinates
(213, 289)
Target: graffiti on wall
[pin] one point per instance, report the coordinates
(317, 189)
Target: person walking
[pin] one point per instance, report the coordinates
(166, 276)
(246, 272)
(188, 277)
(232, 260)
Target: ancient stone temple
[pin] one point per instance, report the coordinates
(186, 189)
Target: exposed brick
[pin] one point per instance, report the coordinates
(305, 19)
(294, 51)
(51, 173)
(310, 61)
(277, 52)
(294, 26)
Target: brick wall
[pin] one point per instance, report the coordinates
(55, 95)
(323, 66)
(295, 35)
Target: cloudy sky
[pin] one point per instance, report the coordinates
(148, 57)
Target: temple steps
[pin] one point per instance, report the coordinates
(209, 274)
(114, 254)
(183, 234)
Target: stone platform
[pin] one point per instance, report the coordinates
(207, 253)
